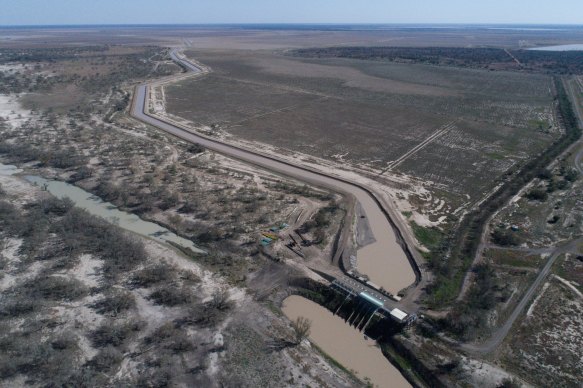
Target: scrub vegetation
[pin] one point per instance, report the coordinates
(135, 313)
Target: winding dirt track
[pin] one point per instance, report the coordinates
(388, 261)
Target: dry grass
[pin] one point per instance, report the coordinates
(370, 113)
(547, 346)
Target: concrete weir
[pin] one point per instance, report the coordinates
(385, 261)
(367, 305)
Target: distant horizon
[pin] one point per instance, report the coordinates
(292, 24)
(332, 12)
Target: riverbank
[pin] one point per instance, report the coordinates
(96, 206)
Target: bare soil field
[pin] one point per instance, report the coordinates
(369, 114)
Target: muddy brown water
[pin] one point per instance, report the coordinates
(345, 344)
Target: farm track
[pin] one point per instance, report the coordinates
(440, 132)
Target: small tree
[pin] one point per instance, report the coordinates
(509, 383)
(220, 299)
(301, 327)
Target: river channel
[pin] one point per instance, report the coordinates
(345, 344)
(97, 207)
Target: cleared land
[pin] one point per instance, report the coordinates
(369, 114)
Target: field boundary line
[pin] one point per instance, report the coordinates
(441, 131)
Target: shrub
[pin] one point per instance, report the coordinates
(55, 288)
(173, 338)
(9, 216)
(114, 302)
(509, 383)
(504, 237)
(537, 195)
(220, 299)
(469, 316)
(44, 363)
(85, 233)
(152, 275)
(562, 184)
(18, 307)
(114, 334)
(571, 175)
(545, 174)
(171, 296)
(106, 359)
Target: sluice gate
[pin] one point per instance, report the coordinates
(365, 307)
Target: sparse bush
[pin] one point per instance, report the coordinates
(114, 302)
(301, 327)
(171, 296)
(106, 359)
(152, 275)
(55, 288)
(571, 175)
(537, 195)
(114, 334)
(504, 237)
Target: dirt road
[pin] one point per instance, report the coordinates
(496, 339)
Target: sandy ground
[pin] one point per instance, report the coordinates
(485, 375)
(12, 112)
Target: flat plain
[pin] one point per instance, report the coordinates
(373, 114)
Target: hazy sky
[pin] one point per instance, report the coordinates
(18, 12)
